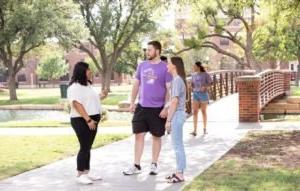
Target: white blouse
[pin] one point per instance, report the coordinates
(86, 96)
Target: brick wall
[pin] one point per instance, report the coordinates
(249, 103)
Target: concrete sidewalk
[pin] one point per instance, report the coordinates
(202, 151)
(59, 131)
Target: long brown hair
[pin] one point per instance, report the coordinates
(178, 62)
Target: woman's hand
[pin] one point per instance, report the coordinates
(168, 127)
(164, 113)
(203, 89)
(92, 124)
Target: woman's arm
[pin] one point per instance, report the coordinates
(172, 109)
(80, 109)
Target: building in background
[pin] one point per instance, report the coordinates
(27, 76)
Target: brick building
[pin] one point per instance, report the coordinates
(27, 76)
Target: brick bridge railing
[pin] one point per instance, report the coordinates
(255, 92)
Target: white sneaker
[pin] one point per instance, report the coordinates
(83, 179)
(94, 177)
(132, 170)
(153, 169)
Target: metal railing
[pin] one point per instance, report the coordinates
(223, 84)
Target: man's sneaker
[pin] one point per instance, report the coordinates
(83, 179)
(153, 169)
(94, 177)
(132, 170)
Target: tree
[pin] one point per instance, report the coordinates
(270, 44)
(113, 26)
(291, 10)
(279, 39)
(128, 60)
(26, 25)
(52, 68)
(218, 16)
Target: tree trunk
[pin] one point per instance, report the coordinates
(273, 64)
(251, 61)
(119, 78)
(12, 86)
(106, 79)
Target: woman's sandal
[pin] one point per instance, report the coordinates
(175, 179)
(204, 131)
(170, 176)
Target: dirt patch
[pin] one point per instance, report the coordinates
(269, 148)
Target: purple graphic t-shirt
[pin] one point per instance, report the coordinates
(153, 79)
(199, 80)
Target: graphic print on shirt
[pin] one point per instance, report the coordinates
(149, 75)
(197, 82)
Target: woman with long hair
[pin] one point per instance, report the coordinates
(177, 116)
(201, 81)
(85, 116)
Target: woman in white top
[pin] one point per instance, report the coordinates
(85, 116)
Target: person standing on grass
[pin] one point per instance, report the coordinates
(85, 117)
(177, 116)
(152, 82)
(201, 82)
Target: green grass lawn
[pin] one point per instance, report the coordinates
(114, 99)
(295, 91)
(32, 96)
(52, 96)
(13, 124)
(22, 153)
(261, 161)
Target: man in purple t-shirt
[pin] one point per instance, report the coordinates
(152, 84)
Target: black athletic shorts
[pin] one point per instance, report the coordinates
(146, 119)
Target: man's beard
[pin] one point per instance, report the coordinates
(152, 57)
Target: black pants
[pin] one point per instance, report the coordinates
(86, 138)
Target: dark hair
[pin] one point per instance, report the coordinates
(199, 65)
(79, 74)
(156, 45)
(178, 62)
(164, 58)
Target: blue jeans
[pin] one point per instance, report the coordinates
(177, 139)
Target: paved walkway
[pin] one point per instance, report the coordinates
(202, 151)
(42, 131)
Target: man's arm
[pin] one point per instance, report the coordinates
(134, 93)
